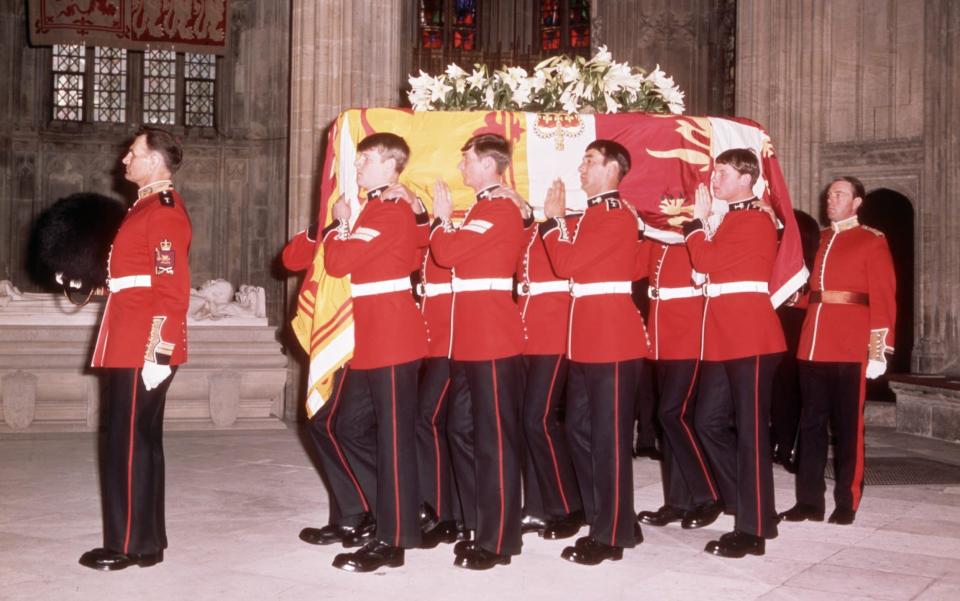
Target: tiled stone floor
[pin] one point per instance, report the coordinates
(236, 501)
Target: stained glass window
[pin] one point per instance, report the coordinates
(200, 73)
(159, 87)
(465, 24)
(110, 85)
(558, 16)
(579, 23)
(431, 23)
(69, 64)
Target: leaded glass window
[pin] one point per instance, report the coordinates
(431, 23)
(159, 87)
(200, 73)
(69, 64)
(110, 85)
(564, 24)
(579, 23)
(465, 24)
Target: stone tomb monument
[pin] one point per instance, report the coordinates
(234, 377)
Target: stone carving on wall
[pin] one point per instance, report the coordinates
(216, 300)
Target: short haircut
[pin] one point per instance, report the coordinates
(391, 146)
(164, 142)
(743, 160)
(858, 190)
(613, 151)
(491, 145)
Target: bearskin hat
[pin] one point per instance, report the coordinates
(70, 243)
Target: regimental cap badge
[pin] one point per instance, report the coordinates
(165, 245)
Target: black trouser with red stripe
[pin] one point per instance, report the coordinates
(834, 392)
(688, 481)
(549, 468)
(439, 383)
(496, 388)
(132, 470)
(733, 423)
(352, 494)
(385, 416)
(600, 412)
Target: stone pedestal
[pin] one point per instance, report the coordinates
(928, 407)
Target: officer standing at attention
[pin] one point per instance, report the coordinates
(607, 345)
(487, 340)
(378, 254)
(742, 346)
(847, 331)
(142, 340)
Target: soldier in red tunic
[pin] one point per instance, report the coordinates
(848, 329)
(378, 253)
(487, 340)
(142, 340)
(742, 346)
(552, 503)
(675, 319)
(606, 346)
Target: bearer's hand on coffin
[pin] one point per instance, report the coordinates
(442, 200)
(555, 204)
(701, 203)
(341, 209)
(154, 374)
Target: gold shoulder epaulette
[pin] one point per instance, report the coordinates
(872, 230)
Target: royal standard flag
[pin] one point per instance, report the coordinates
(670, 156)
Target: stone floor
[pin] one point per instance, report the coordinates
(236, 502)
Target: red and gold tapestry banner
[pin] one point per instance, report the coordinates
(181, 25)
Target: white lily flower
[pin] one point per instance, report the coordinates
(521, 95)
(488, 97)
(602, 57)
(538, 81)
(476, 79)
(455, 72)
(612, 105)
(569, 72)
(439, 89)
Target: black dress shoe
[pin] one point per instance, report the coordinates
(661, 517)
(564, 527)
(532, 523)
(428, 518)
(701, 515)
(372, 556)
(786, 458)
(736, 544)
(443, 532)
(335, 533)
(801, 512)
(110, 561)
(590, 552)
(478, 558)
(843, 517)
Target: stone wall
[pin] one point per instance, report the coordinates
(871, 91)
(234, 176)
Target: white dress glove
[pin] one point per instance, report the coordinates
(875, 368)
(153, 374)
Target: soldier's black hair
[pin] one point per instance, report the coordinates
(391, 146)
(613, 151)
(491, 145)
(743, 160)
(164, 142)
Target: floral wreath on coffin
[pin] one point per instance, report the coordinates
(559, 84)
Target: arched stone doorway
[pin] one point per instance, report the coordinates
(892, 213)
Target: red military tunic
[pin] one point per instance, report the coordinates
(743, 249)
(676, 318)
(852, 258)
(148, 319)
(299, 252)
(544, 298)
(436, 303)
(486, 323)
(381, 248)
(603, 328)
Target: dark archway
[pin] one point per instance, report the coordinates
(892, 213)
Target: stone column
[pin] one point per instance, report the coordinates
(780, 84)
(344, 54)
(938, 227)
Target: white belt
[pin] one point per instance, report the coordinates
(381, 287)
(537, 288)
(712, 290)
(671, 293)
(128, 281)
(429, 290)
(480, 284)
(595, 288)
